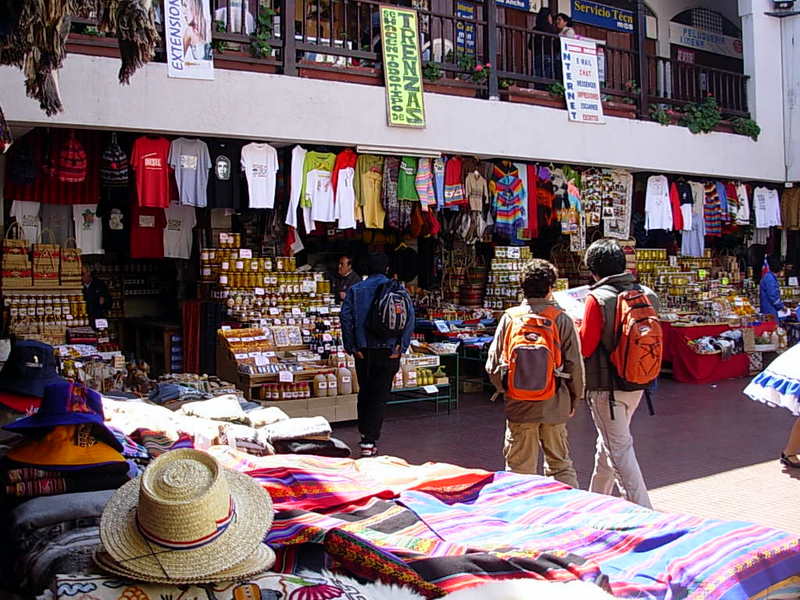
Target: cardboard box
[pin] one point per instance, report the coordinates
(471, 386)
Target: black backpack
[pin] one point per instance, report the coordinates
(390, 311)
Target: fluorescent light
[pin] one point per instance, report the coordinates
(398, 151)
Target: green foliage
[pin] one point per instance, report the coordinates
(631, 87)
(659, 114)
(259, 41)
(557, 90)
(431, 71)
(504, 84)
(702, 117)
(218, 45)
(747, 127)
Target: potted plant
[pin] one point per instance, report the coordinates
(623, 106)
(257, 56)
(702, 117)
(86, 39)
(464, 85)
(552, 97)
(748, 127)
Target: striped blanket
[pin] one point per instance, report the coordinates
(440, 528)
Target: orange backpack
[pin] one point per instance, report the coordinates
(532, 351)
(637, 357)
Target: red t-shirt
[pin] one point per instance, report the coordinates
(147, 232)
(149, 160)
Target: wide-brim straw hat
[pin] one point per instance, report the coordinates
(185, 520)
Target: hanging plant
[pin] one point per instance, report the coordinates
(747, 127)
(259, 41)
(557, 90)
(702, 117)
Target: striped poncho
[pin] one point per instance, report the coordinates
(508, 202)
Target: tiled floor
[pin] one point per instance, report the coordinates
(709, 450)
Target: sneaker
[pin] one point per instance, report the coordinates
(368, 449)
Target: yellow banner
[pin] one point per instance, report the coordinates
(405, 104)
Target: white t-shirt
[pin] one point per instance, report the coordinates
(657, 206)
(191, 162)
(260, 165)
(346, 199)
(178, 232)
(27, 215)
(88, 228)
(767, 207)
(318, 185)
(743, 214)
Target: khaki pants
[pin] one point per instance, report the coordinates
(615, 459)
(521, 450)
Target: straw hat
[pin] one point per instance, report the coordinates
(187, 520)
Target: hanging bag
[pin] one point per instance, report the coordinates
(46, 262)
(16, 264)
(70, 275)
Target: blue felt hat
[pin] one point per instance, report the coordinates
(31, 366)
(67, 403)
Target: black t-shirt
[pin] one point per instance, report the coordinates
(115, 212)
(225, 183)
(685, 193)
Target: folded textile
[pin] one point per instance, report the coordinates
(61, 484)
(71, 552)
(299, 428)
(331, 447)
(266, 415)
(157, 442)
(221, 408)
(245, 438)
(174, 395)
(130, 449)
(40, 513)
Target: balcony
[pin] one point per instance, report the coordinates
(340, 40)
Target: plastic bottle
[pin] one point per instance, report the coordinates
(320, 386)
(345, 381)
(333, 387)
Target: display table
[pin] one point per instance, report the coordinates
(690, 367)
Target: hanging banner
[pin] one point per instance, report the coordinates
(600, 15)
(465, 32)
(405, 103)
(707, 41)
(187, 25)
(581, 80)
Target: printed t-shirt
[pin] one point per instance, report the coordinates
(147, 232)
(191, 162)
(114, 213)
(314, 161)
(224, 189)
(406, 180)
(88, 229)
(27, 215)
(260, 165)
(57, 219)
(149, 160)
(178, 232)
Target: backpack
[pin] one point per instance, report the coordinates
(114, 170)
(71, 163)
(532, 351)
(390, 311)
(637, 356)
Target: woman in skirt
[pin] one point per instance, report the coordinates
(779, 385)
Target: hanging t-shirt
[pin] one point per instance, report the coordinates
(260, 165)
(406, 179)
(149, 160)
(767, 207)
(657, 206)
(114, 213)
(178, 232)
(27, 215)
(346, 198)
(295, 184)
(88, 228)
(191, 162)
(57, 219)
(438, 181)
(224, 189)
(147, 232)
(743, 212)
(318, 186)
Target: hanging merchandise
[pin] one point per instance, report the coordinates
(114, 167)
(508, 202)
(545, 198)
(57, 219)
(318, 185)
(369, 187)
(191, 161)
(477, 190)
(296, 186)
(343, 184)
(114, 214)
(454, 196)
(617, 202)
(46, 265)
(657, 205)
(712, 211)
(766, 204)
(406, 180)
(438, 180)
(149, 161)
(181, 220)
(693, 241)
(224, 186)
(260, 164)
(27, 216)
(790, 208)
(71, 162)
(6, 137)
(88, 228)
(577, 241)
(532, 231)
(147, 232)
(681, 194)
(743, 212)
(596, 186)
(391, 203)
(723, 201)
(424, 184)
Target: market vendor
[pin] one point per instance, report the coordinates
(344, 278)
(770, 290)
(95, 294)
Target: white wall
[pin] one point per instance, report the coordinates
(791, 82)
(286, 109)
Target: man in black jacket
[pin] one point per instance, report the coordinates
(96, 295)
(344, 278)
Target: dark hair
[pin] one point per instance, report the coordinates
(605, 258)
(542, 21)
(537, 278)
(348, 258)
(566, 18)
(775, 264)
(377, 264)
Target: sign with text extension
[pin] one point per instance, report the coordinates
(405, 103)
(581, 81)
(600, 15)
(187, 28)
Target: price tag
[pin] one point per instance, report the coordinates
(513, 253)
(226, 327)
(233, 340)
(323, 310)
(225, 265)
(442, 326)
(269, 354)
(793, 281)
(291, 321)
(701, 273)
(326, 337)
(258, 291)
(261, 360)
(245, 253)
(276, 321)
(274, 310)
(431, 389)
(253, 354)
(725, 281)
(296, 311)
(239, 265)
(224, 237)
(285, 376)
(223, 280)
(306, 332)
(100, 324)
(241, 356)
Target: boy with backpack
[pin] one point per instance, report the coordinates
(622, 342)
(377, 322)
(535, 360)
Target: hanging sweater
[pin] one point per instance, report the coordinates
(454, 196)
(712, 211)
(424, 184)
(509, 200)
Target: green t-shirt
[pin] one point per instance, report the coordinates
(406, 180)
(322, 161)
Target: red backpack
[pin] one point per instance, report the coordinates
(640, 340)
(532, 351)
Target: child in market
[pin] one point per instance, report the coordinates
(535, 361)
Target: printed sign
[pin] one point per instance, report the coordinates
(600, 15)
(581, 81)
(188, 32)
(518, 5)
(465, 32)
(405, 103)
(706, 41)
